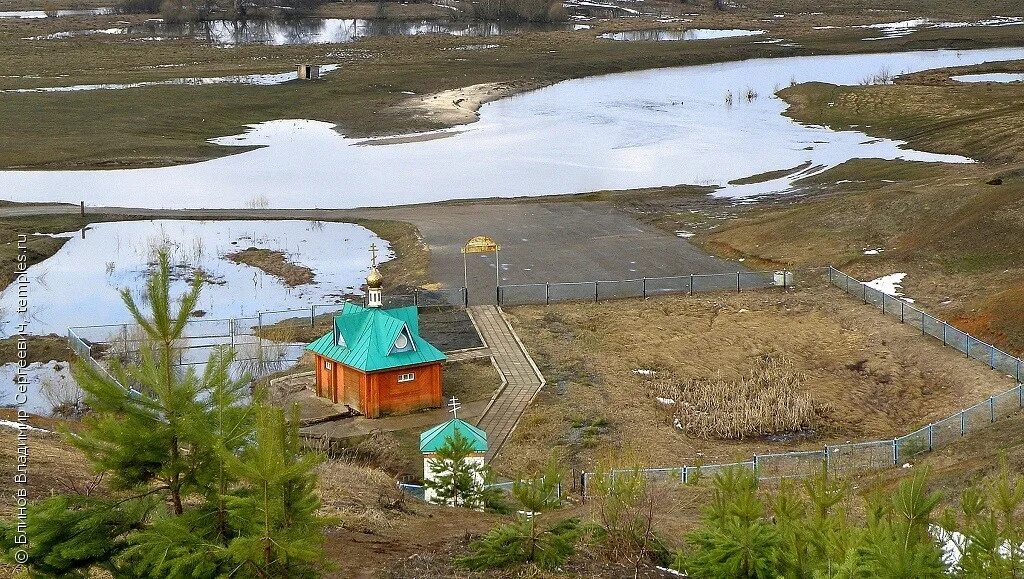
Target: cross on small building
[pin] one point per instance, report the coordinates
(373, 254)
(453, 403)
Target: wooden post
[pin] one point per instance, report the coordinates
(547, 293)
(596, 285)
(644, 287)
(83, 209)
(737, 282)
(691, 284)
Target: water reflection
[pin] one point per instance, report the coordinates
(326, 30)
(37, 14)
(655, 35)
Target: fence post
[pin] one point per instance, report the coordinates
(465, 297)
(883, 304)
(231, 332)
(547, 293)
(944, 337)
(992, 356)
(827, 459)
(737, 282)
(597, 284)
(963, 424)
(757, 473)
(830, 275)
(864, 292)
(895, 453)
(691, 285)
(312, 315)
(416, 297)
(968, 348)
(903, 318)
(644, 286)
(992, 408)
(931, 437)
(497, 294)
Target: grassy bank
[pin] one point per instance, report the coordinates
(955, 229)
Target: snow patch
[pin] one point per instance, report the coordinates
(890, 284)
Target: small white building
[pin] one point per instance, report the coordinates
(436, 437)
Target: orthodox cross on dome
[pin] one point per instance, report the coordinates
(373, 254)
(453, 403)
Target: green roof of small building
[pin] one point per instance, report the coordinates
(368, 339)
(435, 438)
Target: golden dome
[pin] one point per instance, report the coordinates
(374, 280)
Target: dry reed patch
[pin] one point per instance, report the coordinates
(274, 263)
(880, 378)
(360, 497)
(772, 399)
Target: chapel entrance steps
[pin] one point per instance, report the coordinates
(521, 380)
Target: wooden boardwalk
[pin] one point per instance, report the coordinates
(521, 380)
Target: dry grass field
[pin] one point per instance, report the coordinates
(865, 376)
(955, 229)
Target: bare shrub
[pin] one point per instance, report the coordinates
(771, 399)
(514, 10)
(380, 450)
(64, 396)
(360, 497)
(881, 77)
(260, 358)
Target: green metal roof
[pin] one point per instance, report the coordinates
(364, 338)
(433, 439)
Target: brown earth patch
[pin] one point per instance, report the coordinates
(274, 263)
(879, 378)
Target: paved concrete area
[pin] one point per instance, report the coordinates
(522, 380)
(558, 241)
(551, 242)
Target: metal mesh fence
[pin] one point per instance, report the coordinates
(545, 293)
(859, 456)
(871, 455)
(789, 465)
(947, 431)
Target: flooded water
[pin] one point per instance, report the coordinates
(252, 79)
(908, 27)
(690, 125)
(79, 285)
(1000, 77)
(45, 384)
(325, 30)
(670, 35)
(37, 14)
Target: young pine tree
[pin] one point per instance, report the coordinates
(457, 482)
(528, 539)
(735, 539)
(180, 450)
